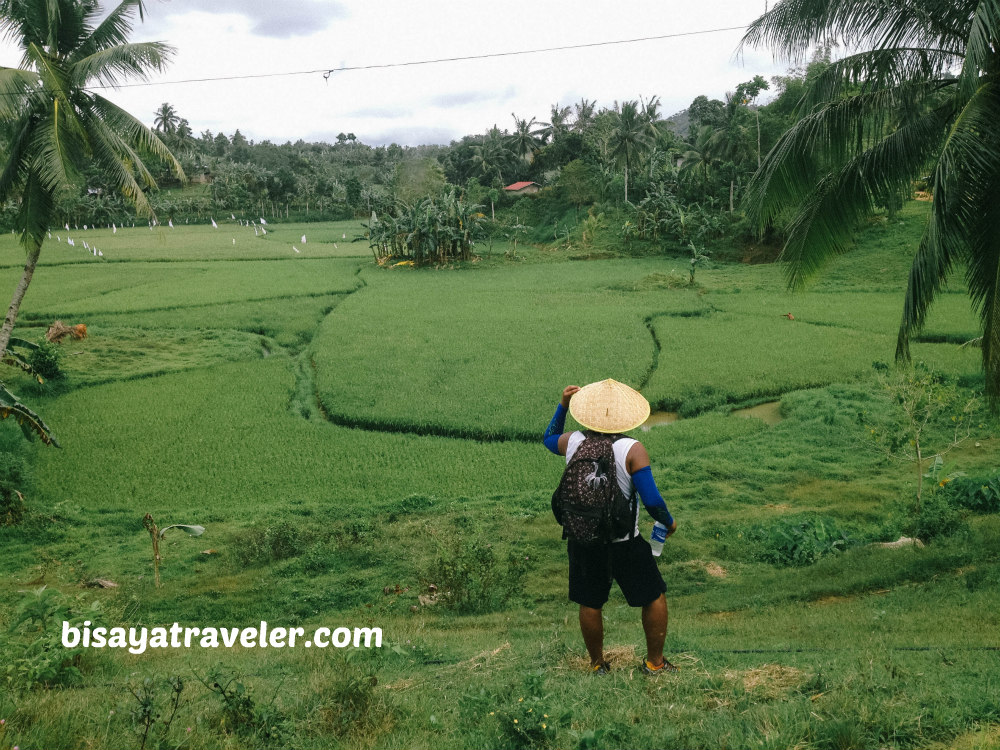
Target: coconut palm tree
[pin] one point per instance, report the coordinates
(702, 154)
(558, 124)
(921, 96)
(583, 111)
(629, 137)
(735, 138)
(492, 156)
(650, 114)
(181, 141)
(526, 138)
(166, 119)
(60, 125)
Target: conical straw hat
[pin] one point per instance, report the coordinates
(609, 406)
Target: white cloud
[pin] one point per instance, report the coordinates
(441, 101)
(282, 20)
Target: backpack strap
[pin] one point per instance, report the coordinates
(633, 532)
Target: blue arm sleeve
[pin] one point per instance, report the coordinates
(650, 496)
(555, 430)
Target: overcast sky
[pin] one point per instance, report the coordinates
(433, 103)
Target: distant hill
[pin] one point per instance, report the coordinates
(680, 122)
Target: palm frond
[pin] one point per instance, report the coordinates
(111, 66)
(973, 157)
(983, 278)
(15, 87)
(37, 204)
(53, 14)
(51, 72)
(932, 263)
(126, 182)
(135, 133)
(981, 49)
(56, 147)
(793, 27)
(907, 43)
(825, 222)
(112, 31)
(963, 225)
(880, 69)
(23, 343)
(18, 160)
(112, 154)
(823, 140)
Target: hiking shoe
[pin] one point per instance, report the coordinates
(600, 668)
(648, 668)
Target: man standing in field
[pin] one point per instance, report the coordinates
(608, 408)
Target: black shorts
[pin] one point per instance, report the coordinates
(631, 563)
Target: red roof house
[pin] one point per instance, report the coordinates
(523, 187)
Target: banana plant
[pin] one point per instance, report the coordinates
(29, 422)
(10, 405)
(156, 534)
(438, 229)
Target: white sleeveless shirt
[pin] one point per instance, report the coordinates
(621, 448)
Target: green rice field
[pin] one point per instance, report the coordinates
(363, 447)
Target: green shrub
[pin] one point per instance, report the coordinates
(241, 714)
(414, 503)
(351, 704)
(655, 281)
(937, 516)
(43, 662)
(515, 716)
(317, 559)
(152, 715)
(472, 578)
(527, 722)
(980, 495)
(45, 360)
(797, 542)
(264, 543)
(37, 658)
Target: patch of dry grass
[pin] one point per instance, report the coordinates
(619, 657)
(715, 570)
(769, 681)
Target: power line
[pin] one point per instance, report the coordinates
(327, 72)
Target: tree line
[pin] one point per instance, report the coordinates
(581, 154)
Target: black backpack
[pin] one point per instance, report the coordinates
(588, 503)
